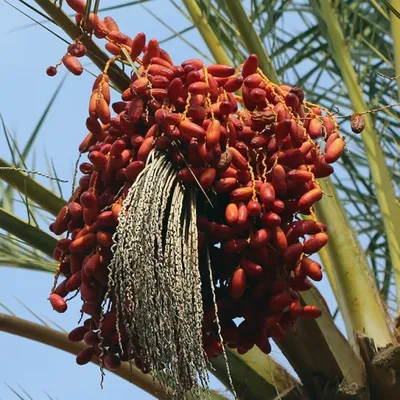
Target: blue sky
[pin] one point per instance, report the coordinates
(25, 92)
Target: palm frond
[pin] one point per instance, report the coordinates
(33, 236)
(35, 191)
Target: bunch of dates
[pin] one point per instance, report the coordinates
(251, 149)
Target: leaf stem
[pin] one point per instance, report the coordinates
(395, 24)
(32, 189)
(200, 21)
(250, 37)
(59, 340)
(53, 338)
(257, 376)
(33, 236)
(357, 295)
(334, 360)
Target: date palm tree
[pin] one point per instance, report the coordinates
(346, 57)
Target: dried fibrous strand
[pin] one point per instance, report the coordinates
(155, 277)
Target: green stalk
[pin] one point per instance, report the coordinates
(395, 24)
(33, 236)
(380, 174)
(44, 266)
(329, 270)
(30, 188)
(206, 32)
(59, 340)
(99, 58)
(357, 294)
(250, 37)
(335, 360)
(267, 377)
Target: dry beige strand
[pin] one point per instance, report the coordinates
(153, 271)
